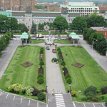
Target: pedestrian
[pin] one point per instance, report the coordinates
(53, 91)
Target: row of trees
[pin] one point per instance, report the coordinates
(80, 23)
(60, 24)
(11, 24)
(95, 39)
(4, 41)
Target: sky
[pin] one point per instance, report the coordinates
(71, 0)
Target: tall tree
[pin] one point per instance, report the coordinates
(33, 29)
(95, 21)
(79, 23)
(22, 27)
(60, 23)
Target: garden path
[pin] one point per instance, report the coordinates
(53, 74)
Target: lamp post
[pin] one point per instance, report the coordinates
(70, 88)
(93, 43)
(47, 94)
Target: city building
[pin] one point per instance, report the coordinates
(103, 8)
(17, 5)
(83, 8)
(28, 17)
(24, 12)
(101, 30)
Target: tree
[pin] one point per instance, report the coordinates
(86, 33)
(60, 23)
(90, 92)
(33, 29)
(79, 23)
(41, 26)
(12, 24)
(3, 23)
(95, 21)
(22, 27)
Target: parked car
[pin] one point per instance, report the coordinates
(54, 50)
(47, 48)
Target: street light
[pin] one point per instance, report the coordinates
(47, 94)
(70, 88)
(93, 43)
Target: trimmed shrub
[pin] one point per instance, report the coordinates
(40, 71)
(58, 49)
(29, 91)
(91, 93)
(41, 62)
(40, 79)
(62, 63)
(41, 96)
(73, 93)
(104, 90)
(35, 91)
(65, 70)
(68, 80)
(41, 50)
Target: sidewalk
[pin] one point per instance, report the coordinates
(53, 74)
(7, 55)
(101, 60)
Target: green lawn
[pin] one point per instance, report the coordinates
(35, 41)
(91, 74)
(16, 73)
(63, 41)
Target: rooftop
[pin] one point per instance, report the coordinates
(99, 28)
(88, 4)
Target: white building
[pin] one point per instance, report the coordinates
(84, 8)
(40, 17)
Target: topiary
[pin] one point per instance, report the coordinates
(68, 80)
(41, 96)
(40, 79)
(41, 62)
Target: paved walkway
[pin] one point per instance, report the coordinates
(53, 74)
(101, 60)
(7, 55)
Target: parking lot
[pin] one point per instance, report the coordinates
(11, 100)
(77, 104)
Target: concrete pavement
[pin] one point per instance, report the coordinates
(7, 55)
(53, 74)
(101, 60)
(13, 100)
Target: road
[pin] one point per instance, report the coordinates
(53, 74)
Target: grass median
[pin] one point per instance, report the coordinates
(83, 70)
(23, 69)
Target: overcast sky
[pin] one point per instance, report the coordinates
(71, 0)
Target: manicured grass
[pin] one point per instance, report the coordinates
(91, 74)
(63, 41)
(35, 41)
(16, 73)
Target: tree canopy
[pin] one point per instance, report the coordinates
(60, 23)
(79, 23)
(95, 21)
